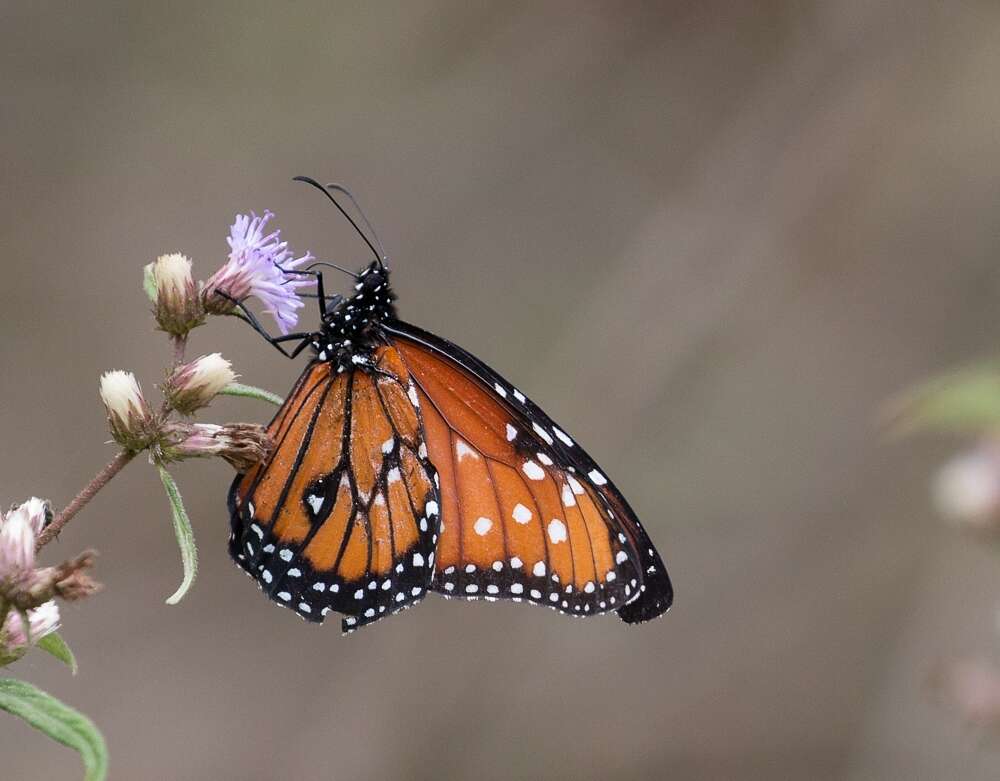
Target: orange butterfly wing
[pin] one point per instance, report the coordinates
(525, 513)
(343, 514)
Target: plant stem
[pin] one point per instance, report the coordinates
(80, 500)
(180, 343)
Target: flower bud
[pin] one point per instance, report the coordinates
(967, 489)
(243, 445)
(177, 304)
(129, 417)
(17, 544)
(193, 386)
(16, 638)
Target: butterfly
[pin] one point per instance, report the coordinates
(402, 464)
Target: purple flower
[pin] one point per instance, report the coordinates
(259, 265)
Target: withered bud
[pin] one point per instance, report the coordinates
(243, 445)
(68, 580)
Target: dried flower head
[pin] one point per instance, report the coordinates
(177, 305)
(193, 385)
(129, 417)
(243, 445)
(259, 265)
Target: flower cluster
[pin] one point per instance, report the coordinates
(260, 265)
(27, 593)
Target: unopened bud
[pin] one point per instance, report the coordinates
(17, 543)
(177, 304)
(129, 417)
(967, 489)
(193, 385)
(16, 636)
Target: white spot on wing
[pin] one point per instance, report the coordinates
(575, 485)
(621, 557)
(412, 393)
(500, 389)
(596, 477)
(387, 445)
(521, 513)
(557, 531)
(462, 450)
(394, 476)
(563, 436)
(511, 433)
(316, 502)
(568, 499)
(418, 560)
(533, 470)
(539, 568)
(482, 526)
(519, 396)
(543, 434)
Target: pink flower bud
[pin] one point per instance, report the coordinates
(967, 489)
(17, 544)
(193, 386)
(14, 635)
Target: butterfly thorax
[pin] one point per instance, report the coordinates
(350, 331)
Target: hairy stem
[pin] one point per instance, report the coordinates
(180, 344)
(80, 500)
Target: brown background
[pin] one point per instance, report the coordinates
(710, 238)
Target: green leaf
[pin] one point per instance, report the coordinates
(149, 282)
(965, 401)
(55, 645)
(60, 722)
(185, 536)
(250, 392)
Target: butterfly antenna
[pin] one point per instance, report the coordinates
(368, 224)
(361, 233)
(311, 266)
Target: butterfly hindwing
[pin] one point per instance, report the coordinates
(343, 514)
(526, 514)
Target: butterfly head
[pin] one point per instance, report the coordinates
(351, 329)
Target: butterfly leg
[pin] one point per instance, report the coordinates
(275, 341)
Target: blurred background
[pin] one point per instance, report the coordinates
(709, 238)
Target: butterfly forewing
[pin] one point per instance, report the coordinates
(525, 512)
(343, 514)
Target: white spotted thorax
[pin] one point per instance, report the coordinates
(349, 331)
